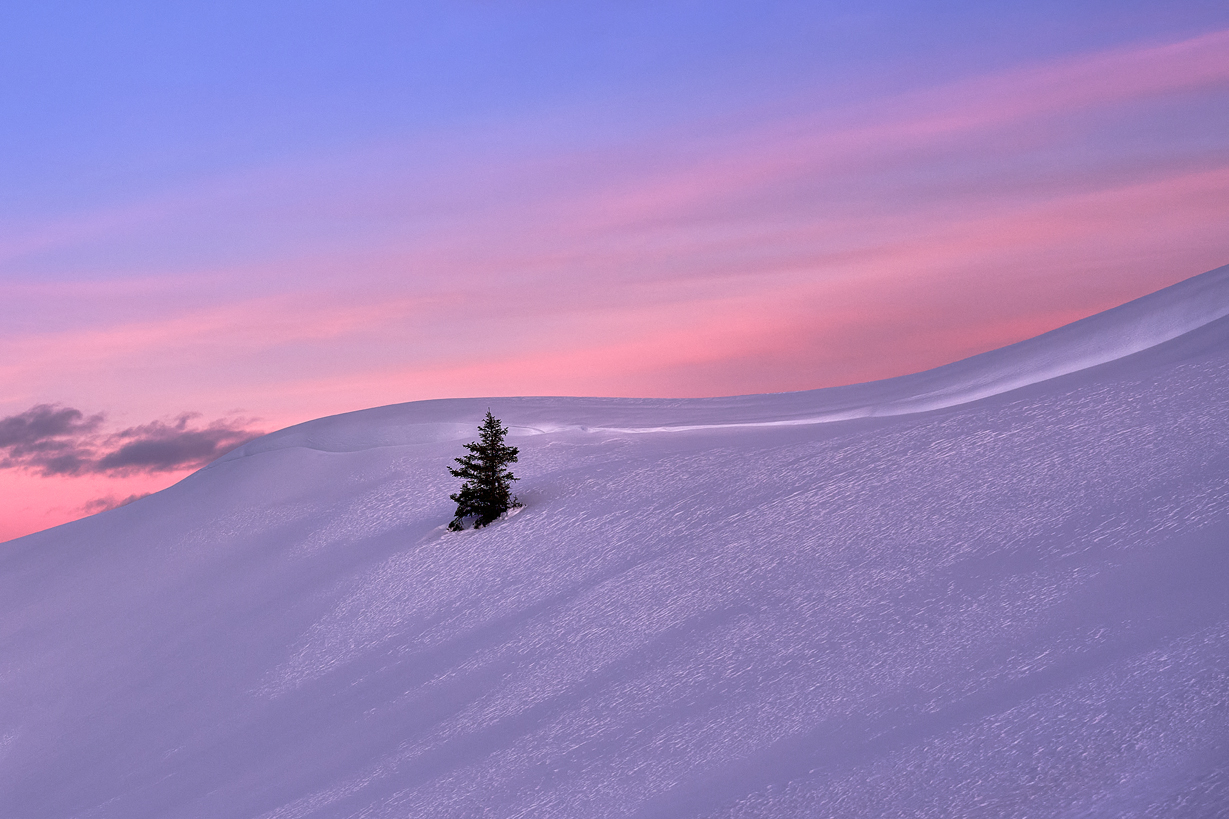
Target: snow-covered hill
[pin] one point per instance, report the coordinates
(999, 588)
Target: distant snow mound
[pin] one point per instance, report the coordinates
(1114, 334)
(1122, 331)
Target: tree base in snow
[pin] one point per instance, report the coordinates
(458, 524)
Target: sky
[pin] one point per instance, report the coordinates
(218, 219)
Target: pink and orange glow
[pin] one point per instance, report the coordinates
(603, 237)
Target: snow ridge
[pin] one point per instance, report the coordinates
(1122, 331)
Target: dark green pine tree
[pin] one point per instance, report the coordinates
(487, 489)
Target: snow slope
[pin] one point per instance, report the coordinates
(994, 589)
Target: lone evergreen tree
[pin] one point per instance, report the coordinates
(487, 489)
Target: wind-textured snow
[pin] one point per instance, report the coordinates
(997, 589)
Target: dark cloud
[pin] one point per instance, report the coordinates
(110, 502)
(45, 422)
(61, 463)
(161, 447)
(49, 439)
(54, 440)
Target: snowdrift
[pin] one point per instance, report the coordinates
(994, 589)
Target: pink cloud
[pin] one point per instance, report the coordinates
(294, 356)
(863, 138)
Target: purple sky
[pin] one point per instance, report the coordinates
(217, 219)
